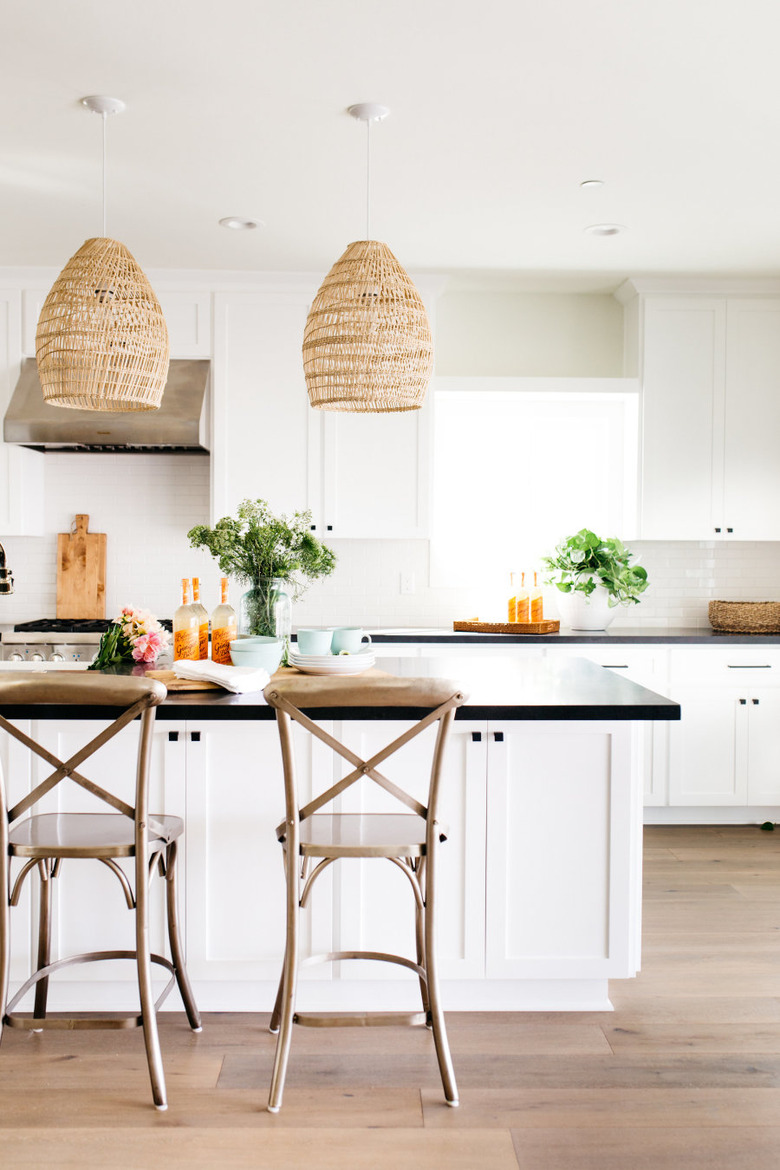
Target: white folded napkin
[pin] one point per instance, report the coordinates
(238, 679)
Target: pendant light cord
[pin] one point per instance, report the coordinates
(104, 117)
(368, 178)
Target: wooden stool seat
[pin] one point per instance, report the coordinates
(86, 835)
(363, 835)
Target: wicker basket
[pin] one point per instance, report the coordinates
(745, 617)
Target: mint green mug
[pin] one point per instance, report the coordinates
(349, 640)
(313, 641)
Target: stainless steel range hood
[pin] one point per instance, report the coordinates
(179, 425)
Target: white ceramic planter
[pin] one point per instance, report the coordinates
(580, 611)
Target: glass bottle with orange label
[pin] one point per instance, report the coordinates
(535, 602)
(521, 606)
(203, 619)
(224, 627)
(185, 627)
(512, 603)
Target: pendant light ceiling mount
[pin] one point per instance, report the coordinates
(102, 341)
(368, 111)
(367, 345)
(99, 103)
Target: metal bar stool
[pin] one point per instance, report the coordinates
(409, 840)
(44, 840)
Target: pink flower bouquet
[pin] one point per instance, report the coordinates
(135, 635)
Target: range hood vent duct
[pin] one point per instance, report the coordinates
(179, 425)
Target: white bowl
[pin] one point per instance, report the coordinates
(257, 651)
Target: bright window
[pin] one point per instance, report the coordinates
(514, 471)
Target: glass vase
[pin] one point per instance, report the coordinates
(266, 609)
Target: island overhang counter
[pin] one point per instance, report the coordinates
(541, 872)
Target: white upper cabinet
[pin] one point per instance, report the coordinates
(361, 475)
(710, 370)
(187, 315)
(21, 471)
(751, 484)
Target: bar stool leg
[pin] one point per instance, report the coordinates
(44, 937)
(182, 978)
(287, 989)
(419, 938)
(5, 949)
(276, 1014)
(144, 969)
(436, 1013)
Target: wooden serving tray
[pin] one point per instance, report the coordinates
(548, 626)
(182, 684)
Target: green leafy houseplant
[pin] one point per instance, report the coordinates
(270, 554)
(583, 561)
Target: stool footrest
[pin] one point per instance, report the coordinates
(111, 1020)
(359, 1019)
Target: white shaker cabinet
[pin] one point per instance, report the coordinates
(724, 750)
(563, 857)
(710, 368)
(21, 470)
(361, 475)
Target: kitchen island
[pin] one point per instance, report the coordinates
(541, 875)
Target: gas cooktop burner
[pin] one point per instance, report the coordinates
(72, 626)
(63, 626)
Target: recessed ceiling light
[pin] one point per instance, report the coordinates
(237, 223)
(605, 229)
(588, 184)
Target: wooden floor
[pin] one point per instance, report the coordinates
(684, 1074)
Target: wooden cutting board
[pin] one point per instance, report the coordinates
(182, 684)
(547, 626)
(81, 572)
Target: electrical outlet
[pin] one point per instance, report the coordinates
(407, 583)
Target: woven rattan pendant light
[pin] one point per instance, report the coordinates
(102, 342)
(367, 345)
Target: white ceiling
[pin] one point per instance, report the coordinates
(500, 108)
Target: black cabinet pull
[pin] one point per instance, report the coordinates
(498, 736)
(729, 529)
(476, 737)
(749, 666)
(743, 702)
(717, 530)
(173, 737)
(195, 736)
(313, 527)
(755, 702)
(615, 665)
(329, 527)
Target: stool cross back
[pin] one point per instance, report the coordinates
(43, 841)
(313, 840)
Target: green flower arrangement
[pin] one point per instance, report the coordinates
(258, 545)
(275, 556)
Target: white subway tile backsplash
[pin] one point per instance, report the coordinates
(147, 503)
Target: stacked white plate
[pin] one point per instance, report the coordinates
(332, 663)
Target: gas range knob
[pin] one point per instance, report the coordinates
(37, 657)
(16, 657)
(57, 657)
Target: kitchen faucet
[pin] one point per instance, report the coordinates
(6, 580)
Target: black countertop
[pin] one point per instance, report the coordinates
(499, 688)
(680, 635)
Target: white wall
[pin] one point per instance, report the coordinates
(147, 503)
